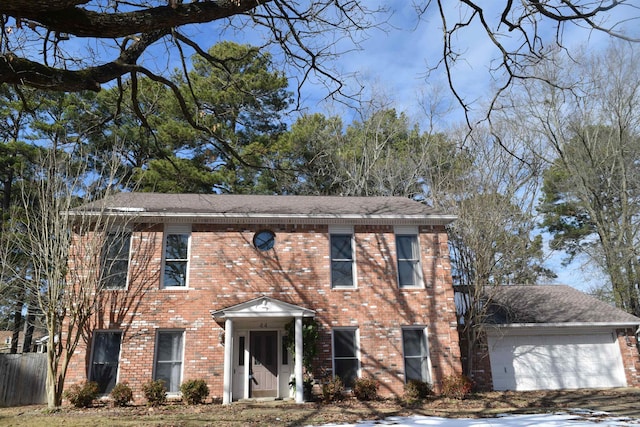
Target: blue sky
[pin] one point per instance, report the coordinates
(391, 63)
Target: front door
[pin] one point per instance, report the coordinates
(263, 380)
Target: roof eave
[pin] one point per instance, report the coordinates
(563, 325)
(245, 218)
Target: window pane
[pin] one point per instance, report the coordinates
(413, 369)
(241, 346)
(176, 246)
(116, 260)
(347, 370)
(170, 374)
(407, 273)
(169, 359)
(344, 343)
(341, 246)
(413, 342)
(285, 352)
(408, 260)
(175, 273)
(405, 246)
(342, 273)
(416, 355)
(169, 346)
(117, 246)
(104, 366)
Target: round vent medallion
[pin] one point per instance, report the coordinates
(264, 240)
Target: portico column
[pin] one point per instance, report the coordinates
(298, 360)
(228, 359)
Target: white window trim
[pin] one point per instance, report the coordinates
(425, 332)
(344, 229)
(175, 229)
(356, 343)
(182, 363)
(115, 230)
(409, 230)
(93, 346)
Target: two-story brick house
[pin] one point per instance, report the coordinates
(202, 286)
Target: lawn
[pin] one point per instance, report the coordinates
(287, 413)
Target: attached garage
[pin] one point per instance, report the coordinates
(553, 359)
(556, 337)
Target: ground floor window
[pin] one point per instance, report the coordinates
(345, 355)
(168, 360)
(104, 359)
(416, 354)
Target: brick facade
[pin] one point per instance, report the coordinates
(225, 269)
(630, 356)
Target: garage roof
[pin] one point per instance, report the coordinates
(553, 304)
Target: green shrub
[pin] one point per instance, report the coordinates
(415, 391)
(456, 386)
(121, 394)
(365, 388)
(333, 390)
(155, 392)
(82, 395)
(194, 392)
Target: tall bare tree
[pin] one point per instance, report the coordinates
(587, 127)
(493, 241)
(520, 34)
(60, 244)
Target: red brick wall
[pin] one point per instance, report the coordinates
(225, 269)
(630, 356)
(476, 362)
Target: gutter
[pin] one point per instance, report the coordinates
(252, 218)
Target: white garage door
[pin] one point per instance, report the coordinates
(548, 362)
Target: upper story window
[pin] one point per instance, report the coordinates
(115, 259)
(176, 255)
(342, 257)
(408, 256)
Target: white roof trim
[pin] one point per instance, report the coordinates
(240, 218)
(562, 325)
(262, 307)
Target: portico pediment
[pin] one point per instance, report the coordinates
(262, 307)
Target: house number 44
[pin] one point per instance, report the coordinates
(264, 325)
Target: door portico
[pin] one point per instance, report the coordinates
(258, 323)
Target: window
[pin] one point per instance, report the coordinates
(342, 260)
(104, 359)
(241, 348)
(345, 355)
(176, 256)
(168, 364)
(416, 354)
(116, 259)
(408, 254)
(285, 350)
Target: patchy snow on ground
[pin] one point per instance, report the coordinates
(576, 418)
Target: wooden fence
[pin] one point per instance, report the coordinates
(22, 379)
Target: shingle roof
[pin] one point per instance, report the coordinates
(212, 205)
(556, 304)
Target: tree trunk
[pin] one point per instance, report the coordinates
(54, 391)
